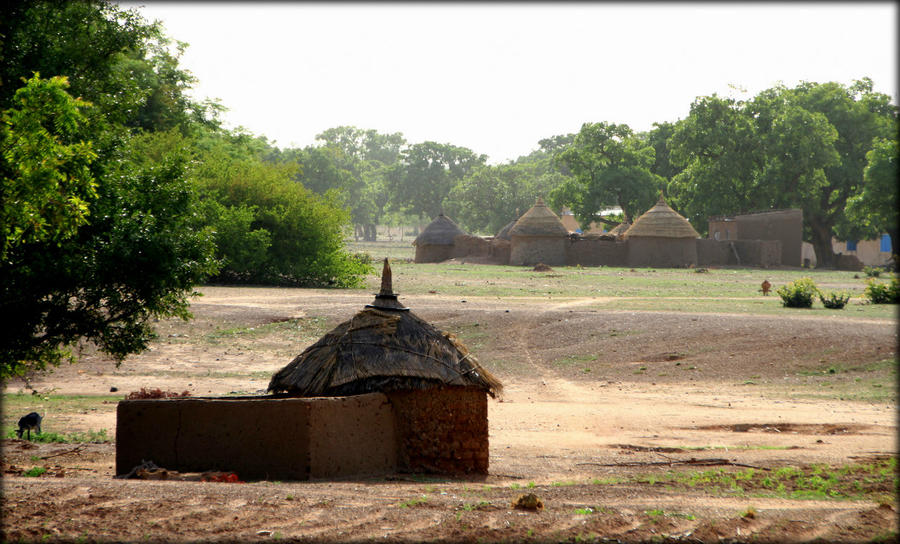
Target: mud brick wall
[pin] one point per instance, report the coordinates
(259, 438)
(433, 253)
(531, 250)
(442, 430)
(646, 251)
(783, 225)
(596, 252)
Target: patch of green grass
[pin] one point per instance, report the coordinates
(34, 472)
(414, 502)
(531, 485)
(93, 437)
(298, 329)
(564, 483)
(817, 482)
(656, 514)
(480, 505)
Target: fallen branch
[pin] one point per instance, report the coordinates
(74, 450)
(691, 461)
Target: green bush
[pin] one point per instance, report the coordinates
(798, 294)
(872, 271)
(883, 293)
(836, 300)
(34, 472)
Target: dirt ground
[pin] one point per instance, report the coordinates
(593, 399)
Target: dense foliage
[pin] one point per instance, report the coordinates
(116, 203)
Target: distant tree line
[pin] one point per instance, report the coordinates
(120, 192)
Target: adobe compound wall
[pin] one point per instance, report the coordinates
(531, 250)
(590, 251)
(442, 430)
(303, 438)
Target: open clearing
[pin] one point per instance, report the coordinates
(614, 381)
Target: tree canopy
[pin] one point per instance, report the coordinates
(610, 165)
(803, 147)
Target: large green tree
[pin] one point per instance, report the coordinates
(803, 147)
(426, 174)
(490, 197)
(873, 210)
(610, 166)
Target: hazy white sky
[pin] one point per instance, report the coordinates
(496, 78)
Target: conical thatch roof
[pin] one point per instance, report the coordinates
(504, 232)
(661, 221)
(439, 232)
(620, 229)
(539, 221)
(385, 347)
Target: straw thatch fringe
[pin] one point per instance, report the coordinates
(383, 351)
(441, 231)
(539, 221)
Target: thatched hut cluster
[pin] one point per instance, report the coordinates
(661, 237)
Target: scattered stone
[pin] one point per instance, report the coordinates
(529, 501)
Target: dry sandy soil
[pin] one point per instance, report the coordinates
(595, 403)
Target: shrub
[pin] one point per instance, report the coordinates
(798, 294)
(836, 300)
(872, 271)
(883, 293)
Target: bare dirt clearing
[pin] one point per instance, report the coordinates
(595, 399)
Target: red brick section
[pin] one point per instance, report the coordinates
(442, 430)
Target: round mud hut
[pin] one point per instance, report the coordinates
(538, 237)
(437, 389)
(661, 238)
(435, 243)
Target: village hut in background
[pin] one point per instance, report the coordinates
(436, 386)
(503, 234)
(435, 243)
(538, 237)
(661, 238)
(619, 230)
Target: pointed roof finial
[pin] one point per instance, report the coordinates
(386, 299)
(386, 283)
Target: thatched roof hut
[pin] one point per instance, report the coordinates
(385, 347)
(441, 231)
(539, 221)
(620, 229)
(663, 238)
(503, 234)
(538, 237)
(435, 243)
(661, 221)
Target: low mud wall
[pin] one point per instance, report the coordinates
(260, 438)
(433, 253)
(442, 430)
(589, 251)
(531, 250)
(761, 253)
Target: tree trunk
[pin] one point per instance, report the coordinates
(821, 241)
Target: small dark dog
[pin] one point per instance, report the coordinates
(29, 422)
